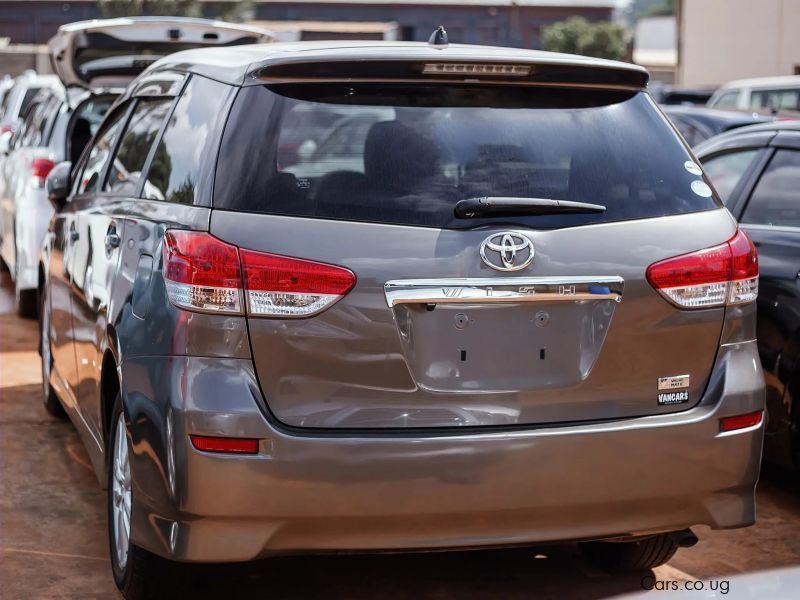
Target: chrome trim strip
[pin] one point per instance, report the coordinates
(502, 289)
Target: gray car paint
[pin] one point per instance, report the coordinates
(532, 477)
(359, 364)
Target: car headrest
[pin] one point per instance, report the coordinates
(396, 157)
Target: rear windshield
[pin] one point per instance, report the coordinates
(408, 154)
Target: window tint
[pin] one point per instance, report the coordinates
(100, 152)
(775, 200)
(693, 133)
(26, 100)
(38, 123)
(727, 100)
(85, 122)
(179, 158)
(725, 170)
(408, 154)
(788, 99)
(25, 131)
(138, 138)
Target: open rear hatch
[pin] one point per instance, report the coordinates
(109, 53)
(482, 256)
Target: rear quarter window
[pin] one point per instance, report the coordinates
(184, 154)
(407, 154)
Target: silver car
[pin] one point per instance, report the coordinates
(519, 315)
(94, 61)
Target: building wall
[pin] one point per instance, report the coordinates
(36, 22)
(510, 25)
(504, 25)
(721, 40)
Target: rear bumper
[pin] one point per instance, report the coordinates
(33, 219)
(334, 492)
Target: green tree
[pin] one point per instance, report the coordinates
(576, 35)
(234, 12)
(237, 11)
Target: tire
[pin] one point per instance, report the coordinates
(137, 573)
(51, 402)
(26, 303)
(639, 555)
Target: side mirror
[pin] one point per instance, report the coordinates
(5, 142)
(58, 184)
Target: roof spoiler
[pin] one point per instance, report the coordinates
(551, 74)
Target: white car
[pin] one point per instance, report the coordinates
(759, 94)
(94, 61)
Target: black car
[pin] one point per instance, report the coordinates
(672, 95)
(756, 171)
(697, 124)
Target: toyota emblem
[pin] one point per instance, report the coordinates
(507, 251)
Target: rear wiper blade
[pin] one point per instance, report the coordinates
(470, 208)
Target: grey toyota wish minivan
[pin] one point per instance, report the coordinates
(367, 296)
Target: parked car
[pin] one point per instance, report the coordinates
(6, 83)
(698, 124)
(522, 316)
(101, 55)
(775, 94)
(669, 95)
(757, 173)
(17, 98)
(14, 107)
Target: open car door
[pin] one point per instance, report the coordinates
(109, 53)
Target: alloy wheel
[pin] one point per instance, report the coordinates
(121, 495)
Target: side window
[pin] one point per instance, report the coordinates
(177, 163)
(134, 147)
(727, 100)
(787, 99)
(725, 170)
(100, 152)
(690, 132)
(25, 131)
(774, 200)
(85, 122)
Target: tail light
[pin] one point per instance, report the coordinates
(724, 274)
(225, 445)
(205, 274)
(6, 129)
(740, 421)
(40, 167)
(290, 287)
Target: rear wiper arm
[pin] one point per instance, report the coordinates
(470, 208)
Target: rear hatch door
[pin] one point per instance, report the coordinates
(109, 53)
(487, 320)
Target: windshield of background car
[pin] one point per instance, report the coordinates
(407, 154)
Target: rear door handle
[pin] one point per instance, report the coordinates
(74, 236)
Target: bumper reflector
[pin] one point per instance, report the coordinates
(225, 445)
(741, 421)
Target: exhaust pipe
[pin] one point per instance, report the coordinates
(685, 538)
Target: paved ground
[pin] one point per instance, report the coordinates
(53, 544)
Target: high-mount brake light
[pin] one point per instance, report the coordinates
(205, 274)
(722, 275)
(497, 70)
